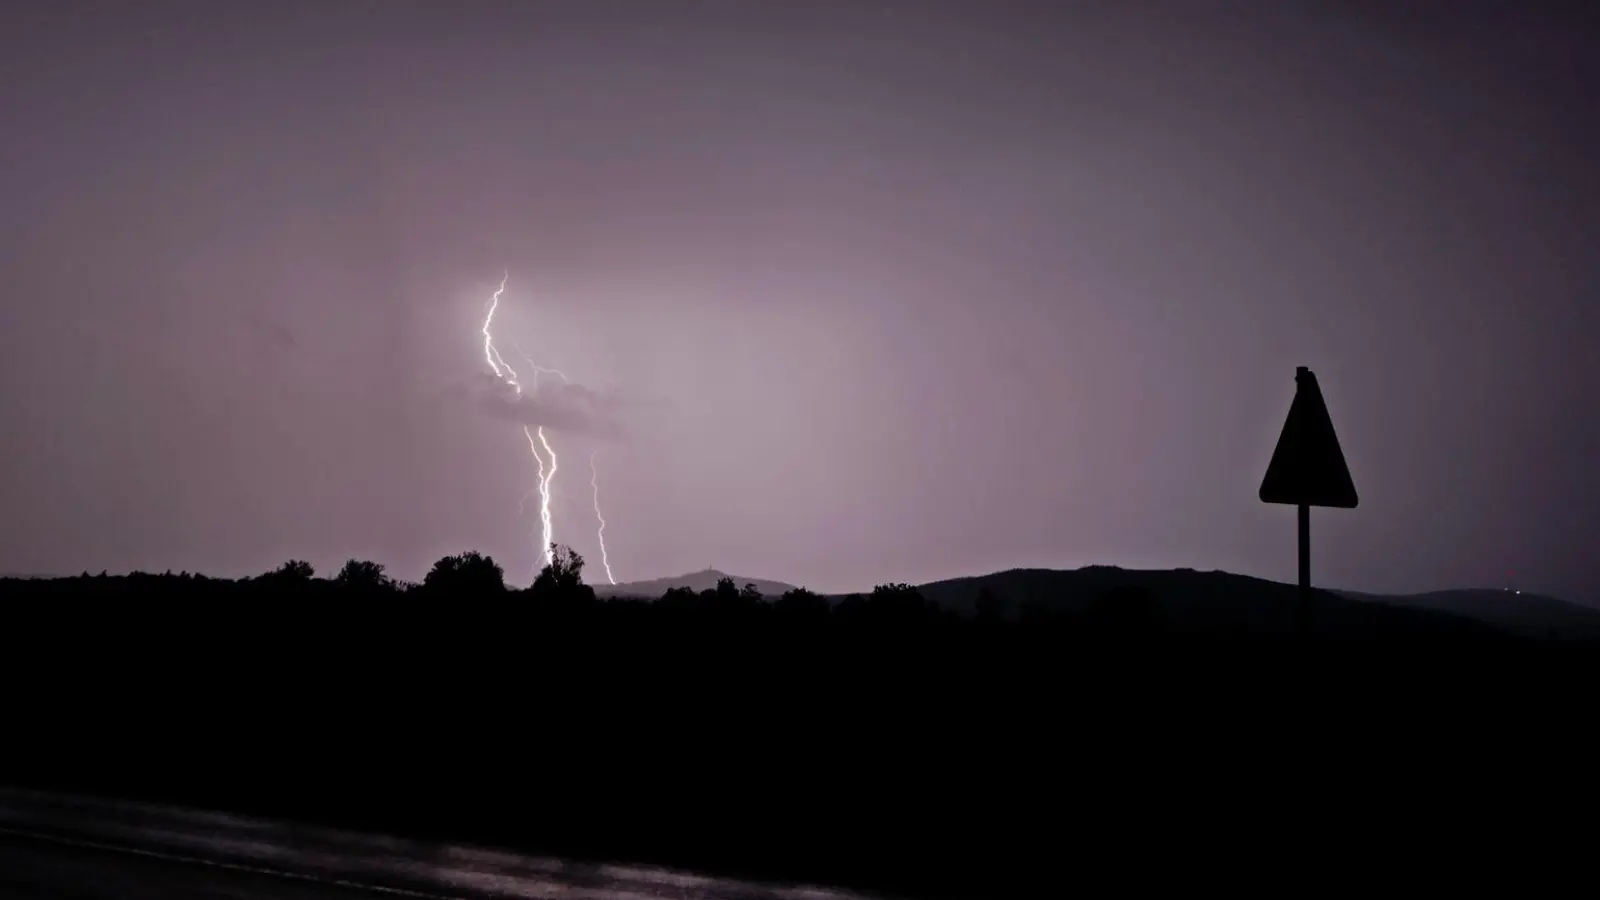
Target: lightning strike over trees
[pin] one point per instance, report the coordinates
(545, 478)
(594, 473)
(600, 534)
(503, 371)
(537, 439)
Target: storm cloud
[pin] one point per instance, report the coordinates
(563, 408)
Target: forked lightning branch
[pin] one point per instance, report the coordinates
(544, 455)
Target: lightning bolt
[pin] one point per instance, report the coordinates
(545, 477)
(503, 371)
(544, 491)
(536, 438)
(594, 472)
(594, 483)
(490, 354)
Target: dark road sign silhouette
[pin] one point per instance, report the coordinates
(1308, 469)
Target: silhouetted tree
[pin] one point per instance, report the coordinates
(802, 602)
(851, 605)
(679, 598)
(466, 573)
(295, 570)
(898, 599)
(364, 575)
(750, 592)
(562, 577)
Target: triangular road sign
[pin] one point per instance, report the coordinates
(1307, 468)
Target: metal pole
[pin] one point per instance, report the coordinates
(1304, 517)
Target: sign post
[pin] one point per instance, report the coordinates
(1307, 470)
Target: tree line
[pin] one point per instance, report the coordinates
(472, 576)
(876, 739)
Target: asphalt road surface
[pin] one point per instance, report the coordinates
(32, 869)
(55, 847)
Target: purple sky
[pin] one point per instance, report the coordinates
(876, 291)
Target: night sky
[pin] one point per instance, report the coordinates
(850, 293)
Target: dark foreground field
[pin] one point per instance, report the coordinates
(899, 750)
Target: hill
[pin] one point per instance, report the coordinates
(1191, 600)
(1519, 612)
(1211, 601)
(703, 580)
(1216, 599)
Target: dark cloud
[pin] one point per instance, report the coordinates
(564, 408)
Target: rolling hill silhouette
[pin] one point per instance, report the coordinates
(1223, 600)
(1194, 601)
(703, 580)
(1215, 600)
(1532, 615)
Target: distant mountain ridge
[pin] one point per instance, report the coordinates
(1197, 598)
(703, 580)
(1212, 599)
(1534, 615)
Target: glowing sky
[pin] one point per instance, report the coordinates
(881, 291)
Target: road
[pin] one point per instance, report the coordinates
(55, 847)
(34, 869)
